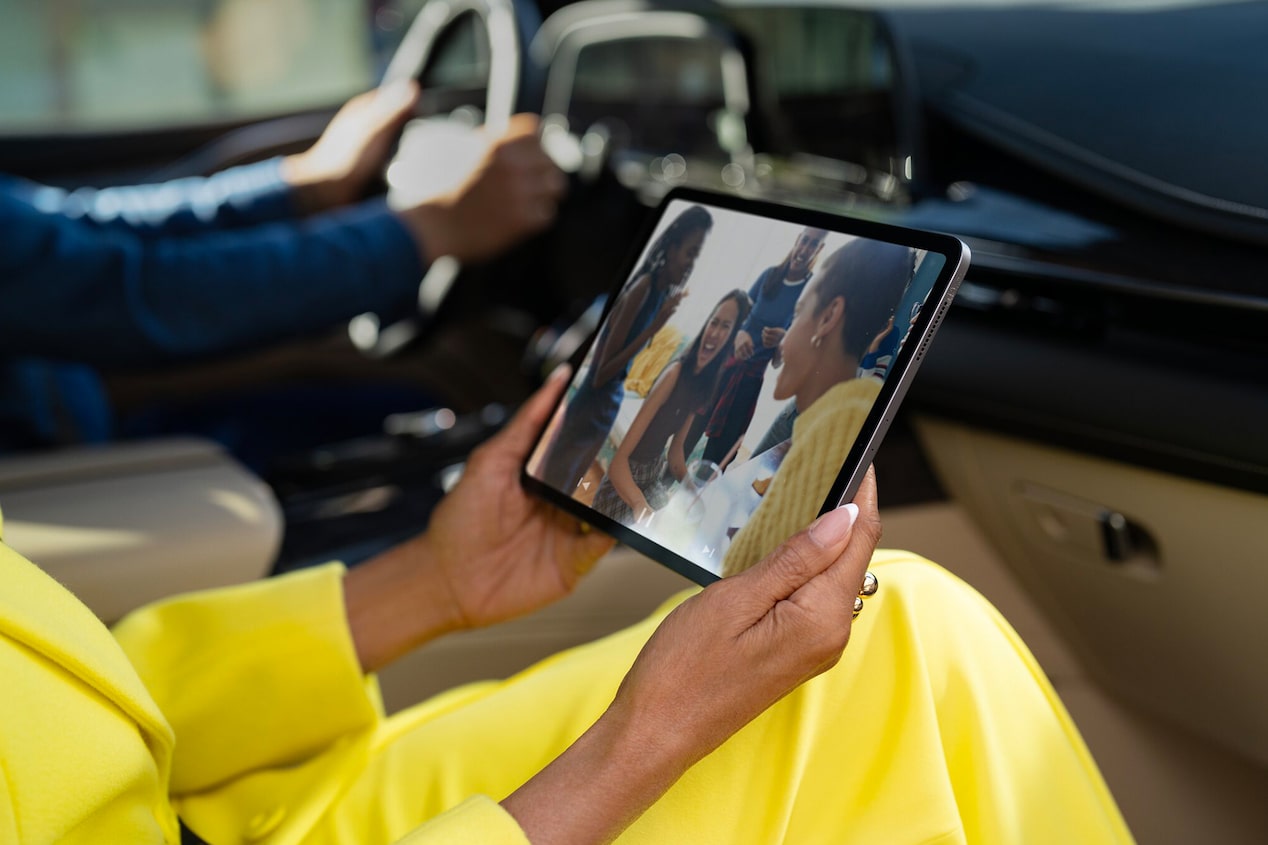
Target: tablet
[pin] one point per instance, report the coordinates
(742, 377)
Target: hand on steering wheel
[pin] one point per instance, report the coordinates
(352, 150)
(512, 193)
(466, 193)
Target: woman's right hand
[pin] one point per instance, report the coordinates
(743, 345)
(772, 336)
(727, 654)
(514, 192)
(721, 658)
(667, 309)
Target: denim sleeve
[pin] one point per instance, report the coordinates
(239, 196)
(107, 296)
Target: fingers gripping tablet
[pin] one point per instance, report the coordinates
(742, 378)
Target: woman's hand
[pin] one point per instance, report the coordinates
(491, 552)
(743, 345)
(771, 336)
(667, 309)
(880, 337)
(774, 626)
(504, 553)
(715, 663)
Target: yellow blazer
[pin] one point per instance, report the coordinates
(244, 711)
(103, 737)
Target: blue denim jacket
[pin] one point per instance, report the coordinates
(151, 275)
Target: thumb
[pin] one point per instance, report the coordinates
(393, 103)
(803, 556)
(523, 124)
(522, 431)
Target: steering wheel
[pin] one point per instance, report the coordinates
(432, 151)
(508, 26)
(548, 280)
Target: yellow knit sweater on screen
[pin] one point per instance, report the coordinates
(822, 437)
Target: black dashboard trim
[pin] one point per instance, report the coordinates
(1188, 423)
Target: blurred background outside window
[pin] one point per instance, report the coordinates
(106, 65)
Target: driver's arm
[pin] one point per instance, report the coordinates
(107, 297)
(240, 196)
(111, 297)
(334, 172)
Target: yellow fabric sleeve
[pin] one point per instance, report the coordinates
(478, 819)
(253, 676)
(83, 750)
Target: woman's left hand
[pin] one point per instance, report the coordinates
(718, 660)
(490, 553)
(501, 552)
(880, 337)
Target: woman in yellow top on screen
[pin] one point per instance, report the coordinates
(838, 315)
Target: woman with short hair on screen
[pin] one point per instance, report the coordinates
(835, 321)
(641, 310)
(632, 490)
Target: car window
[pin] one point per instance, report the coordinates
(461, 56)
(831, 74)
(818, 51)
(654, 94)
(103, 65)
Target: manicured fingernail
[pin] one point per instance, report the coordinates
(561, 372)
(833, 526)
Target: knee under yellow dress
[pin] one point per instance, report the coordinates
(243, 710)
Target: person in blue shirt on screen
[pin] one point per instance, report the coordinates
(757, 345)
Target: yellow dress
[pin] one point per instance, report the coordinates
(822, 436)
(243, 711)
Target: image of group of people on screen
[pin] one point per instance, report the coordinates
(730, 380)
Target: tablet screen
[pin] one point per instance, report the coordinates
(746, 357)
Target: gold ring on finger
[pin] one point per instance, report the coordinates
(870, 585)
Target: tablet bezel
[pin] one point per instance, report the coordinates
(892, 391)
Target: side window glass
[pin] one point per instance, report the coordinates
(654, 93)
(459, 60)
(102, 65)
(820, 51)
(461, 56)
(831, 75)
